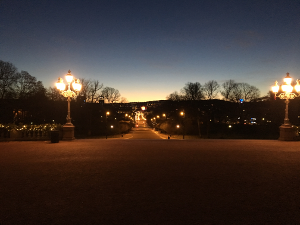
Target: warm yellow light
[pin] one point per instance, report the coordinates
(287, 79)
(77, 85)
(297, 86)
(164, 115)
(275, 88)
(177, 126)
(157, 116)
(111, 126)
(181, 113)
(126, 114)
(60, 84)
(287, 88)
(69, 77)
(107, 113)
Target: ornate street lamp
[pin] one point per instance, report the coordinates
(68, 128)
(287, 92)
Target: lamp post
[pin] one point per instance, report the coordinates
(106, 115)
(182, 114)
(68, 128)
(288, 91)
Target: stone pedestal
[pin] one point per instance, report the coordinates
(68, 132)
(287, 133)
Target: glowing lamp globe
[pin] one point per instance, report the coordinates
(60, 84)
(69, 77)
(287, 79)
(77, 85)
(297, 86)
(287, 88)
(275, 88)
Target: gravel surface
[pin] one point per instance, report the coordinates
(126, 181)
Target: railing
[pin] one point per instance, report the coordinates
(25, 135)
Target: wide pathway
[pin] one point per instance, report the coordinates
(143, 133)
(127, 181)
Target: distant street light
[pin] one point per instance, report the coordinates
(287, 132)
(68, 128)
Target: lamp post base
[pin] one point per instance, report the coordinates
(287, 133)
(68, 132)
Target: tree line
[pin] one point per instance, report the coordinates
(22, 85)
(229, 90)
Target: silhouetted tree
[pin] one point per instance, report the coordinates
(123, 100)
(90, 90)
(250, 92)
(111, 94)
(228, 87)
(8, 79)
(94, 91)
(85, 88)
(175, 96)
(54, 94)
(28, 86)
(244, 91)
(211, 89)
(192, 91)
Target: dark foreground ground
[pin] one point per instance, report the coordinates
(150, 182)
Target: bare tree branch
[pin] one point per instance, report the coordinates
(192, 91)
(211, 89)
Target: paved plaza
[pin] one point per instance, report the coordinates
(150, 181)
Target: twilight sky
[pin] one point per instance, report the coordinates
(148, 49)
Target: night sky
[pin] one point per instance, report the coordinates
(148, 49)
